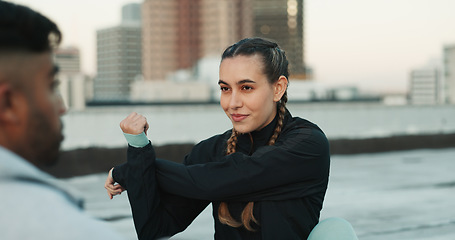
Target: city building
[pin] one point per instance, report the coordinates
(72, 82)
(177, 33)
(73, 89)
(119, 58)
(283, 21)
(131, 13)
(425, 86)
(68, 59)
(159, 37)
(224, 22)
(449, 73)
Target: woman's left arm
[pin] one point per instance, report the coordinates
(300, 162)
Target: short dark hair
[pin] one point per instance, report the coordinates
(23, 29)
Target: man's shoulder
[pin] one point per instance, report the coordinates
(33, 209)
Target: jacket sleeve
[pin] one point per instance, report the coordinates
(294, 167)
(155, 214)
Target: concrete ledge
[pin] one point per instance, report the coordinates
(393, 143)
(97, 160)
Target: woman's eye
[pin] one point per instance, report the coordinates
(247, 88)
(224, 89)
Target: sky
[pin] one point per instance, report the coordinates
(371, 44)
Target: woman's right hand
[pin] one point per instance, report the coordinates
(134, 124)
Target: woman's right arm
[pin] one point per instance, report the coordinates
(155, 213)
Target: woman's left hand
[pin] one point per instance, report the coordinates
(112, 188)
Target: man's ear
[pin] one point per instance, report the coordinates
(280, 88)
(7, 111)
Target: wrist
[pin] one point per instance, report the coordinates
(110, 173)
(138, 141)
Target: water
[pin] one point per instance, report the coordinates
(99, 126)
(404, 195)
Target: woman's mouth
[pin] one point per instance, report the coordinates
(238, 117)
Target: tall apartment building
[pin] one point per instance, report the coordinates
(159, 37)
(131, 12)
(224, 22)
(283, 21)
(177, 33)
(119, 58)
(449, 73)
(72, 82)
(425, 86)
(68, 59)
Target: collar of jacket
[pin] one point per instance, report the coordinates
(249, 142)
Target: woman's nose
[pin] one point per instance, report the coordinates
(235, 101)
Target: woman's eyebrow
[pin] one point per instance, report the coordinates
(245, 81)
(238, 83)
(222, 82)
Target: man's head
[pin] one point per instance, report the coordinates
(30, 106)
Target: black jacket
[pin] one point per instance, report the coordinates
(287, 182)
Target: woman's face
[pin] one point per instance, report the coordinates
(247, 97)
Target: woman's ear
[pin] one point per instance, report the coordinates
(280, 88)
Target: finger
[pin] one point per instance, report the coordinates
(127, 119)
(112, 189)
(146, 127)
(117, 188)
(132, 115)
(109, 186)
(112, 193)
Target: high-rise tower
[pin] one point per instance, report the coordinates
(118, 57)
(224, 22)
(449, 73)
(283, 21)
(177, 33)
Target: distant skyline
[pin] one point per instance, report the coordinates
(371, 44)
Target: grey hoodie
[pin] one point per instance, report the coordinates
(35, 205)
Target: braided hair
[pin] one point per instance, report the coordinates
(275, 65)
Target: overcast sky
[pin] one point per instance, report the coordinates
(369, 43)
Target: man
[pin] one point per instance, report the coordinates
(34, 205)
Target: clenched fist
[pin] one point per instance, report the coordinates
(134, 124)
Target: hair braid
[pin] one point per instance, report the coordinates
(225, 216)
(223, 212)
(281, 113)
(232, 142)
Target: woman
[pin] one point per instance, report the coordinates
(266, 177)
